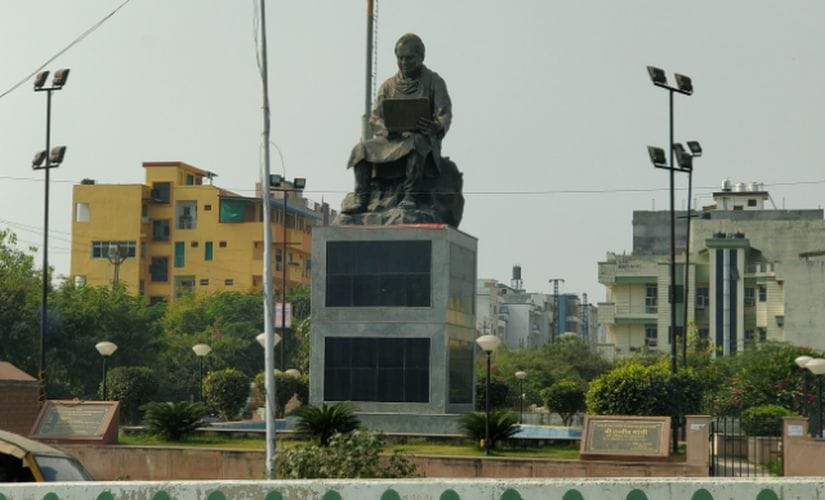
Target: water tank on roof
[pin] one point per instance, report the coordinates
(517, 273)
(739, 187)
(726, 185)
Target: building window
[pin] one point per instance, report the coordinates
(377, 369)
(161, 192)
(763, 293)
(702, 297)
(279, 259)
(651, 337)
(378, 273)
(180, 249)
(749, 338)
(222, 244)
(763, 334)
(100, 249)
(141, 287)
(228, 282)
(651, 299)
(207, 250)
(160, 230)
(204, 282)
(678, 296)
(159, 269)
(207, 208)
(670, 334)
(190, 179)
(751, 203)
(194, 244)
(81, 212)
(186, 214)
(750, 297)
(257, 281)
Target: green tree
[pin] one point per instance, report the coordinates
(636, 389)
(82, 316)
(764, 420)
(20, 289)
(226, 392)
(566, 398)
(323, 422)
(502, 426)
(133, 386)
(499, 393)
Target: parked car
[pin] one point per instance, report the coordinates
(25, 460)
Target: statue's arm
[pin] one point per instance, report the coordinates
(442, 106)
(377, 116)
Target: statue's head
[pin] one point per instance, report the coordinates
(409, 50)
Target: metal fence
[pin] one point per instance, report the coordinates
(735, 454)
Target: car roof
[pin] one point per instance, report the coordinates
(17, 446)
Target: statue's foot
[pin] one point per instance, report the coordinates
(357, 208)
(407, 203)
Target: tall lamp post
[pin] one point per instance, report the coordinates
(201, 350)
(269, 377)
(105, 349)
(685, 162)
(278, 183)
(52, 158)
(488, 344)
(817, 367)
(521, 375)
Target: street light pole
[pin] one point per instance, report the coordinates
(58, 82)
(105, 349)
(488, 344)
(201, 350)
(684, 86)
(521, 375)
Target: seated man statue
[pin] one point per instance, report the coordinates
(415, 149)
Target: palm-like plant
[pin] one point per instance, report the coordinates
(323, 422)
(502, 426)
(174, 421)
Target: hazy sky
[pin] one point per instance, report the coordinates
(552, 107)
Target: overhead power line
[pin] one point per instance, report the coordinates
(65, 49)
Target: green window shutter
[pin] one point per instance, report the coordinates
(207, 251)
(180, 248)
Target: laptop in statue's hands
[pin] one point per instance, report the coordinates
(401, 115)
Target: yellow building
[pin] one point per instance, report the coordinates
(178, 233)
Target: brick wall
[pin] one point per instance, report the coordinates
(18, 405)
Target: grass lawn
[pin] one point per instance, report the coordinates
(558, 451)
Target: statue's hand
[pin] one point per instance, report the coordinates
(428, 127)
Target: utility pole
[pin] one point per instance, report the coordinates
(556, 323)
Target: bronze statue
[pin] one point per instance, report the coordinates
(400, 175)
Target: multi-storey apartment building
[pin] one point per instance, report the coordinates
(178, 233)
(754, 274)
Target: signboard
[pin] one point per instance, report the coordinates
(279, 307)
(625, 438)
(77, 421)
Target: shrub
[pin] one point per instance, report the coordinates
(174, 421)
(502, 426)
(226, 392)
(634, 389)
(323, 422)
(565, 398)
(765, 420)
(286, 386)
(352, 455)
(133, 386)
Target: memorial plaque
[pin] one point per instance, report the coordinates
(77, 422)
(625, 438)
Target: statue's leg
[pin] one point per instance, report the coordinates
(412, 180)
(363, 173)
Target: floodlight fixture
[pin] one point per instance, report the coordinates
(683, 158)
(657, 156)
(275, 179)
(56, 156)
(60, 77)
(299, 183)
(40, 79)
(38, 159)
(684, 84)
(657, 75)
(695, 148)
